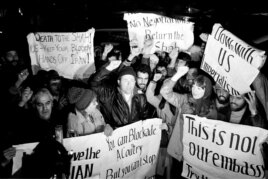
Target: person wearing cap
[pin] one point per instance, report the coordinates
(120, 104)
(85, 118)
(58, 86)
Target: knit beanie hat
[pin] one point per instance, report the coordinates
(80, 97)
(53, 75)
(127, 71)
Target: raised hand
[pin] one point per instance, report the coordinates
(182, 70)
(148, 45)
(157, 76)
(107, 49)
(113, 65)
(204, 37)
(22, 76)
(173, 54)
(252, 104)
(134, 47)
(27, 94)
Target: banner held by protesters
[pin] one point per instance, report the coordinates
(159, 32)
(70, 54)
(217, 149)
(128, 153)
(233, 69)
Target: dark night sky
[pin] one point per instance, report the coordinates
(246, 19)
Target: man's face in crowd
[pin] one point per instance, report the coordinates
(197, 91)
(237, 103)
(179, 63)
(222, 95)
(162, 70)
(142, 80)
(12, 57)
(127, 83)
(191, 75)
(55, 86)
(44, 105)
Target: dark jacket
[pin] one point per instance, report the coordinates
(114, 108)
(257, 121)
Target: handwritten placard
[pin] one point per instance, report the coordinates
(216, 149)
(128, 153)
(165, 33)
(70, 54)
(230, 64)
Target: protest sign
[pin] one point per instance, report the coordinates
(164, 33)
(230, 62)
(131, 152)
(70, 54)
(217, 149)
(248, 53)
(20, 151)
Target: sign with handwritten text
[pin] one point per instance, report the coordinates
(127, 153)
(216, 149)
(230, 63)
(165, 33)
(70, 54)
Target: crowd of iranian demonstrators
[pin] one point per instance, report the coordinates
(124, 89)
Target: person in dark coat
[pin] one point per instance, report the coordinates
(119, 103)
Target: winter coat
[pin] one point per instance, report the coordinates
(185, 105)
(82, 125)
(168, 117)
(114, 108)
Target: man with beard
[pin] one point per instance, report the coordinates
(244, 110)
(241, 109)
(222, 102)
(143, 76)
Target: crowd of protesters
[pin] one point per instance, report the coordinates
(120, 92)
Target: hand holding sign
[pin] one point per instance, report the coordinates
(204, 37)
(8, 154)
